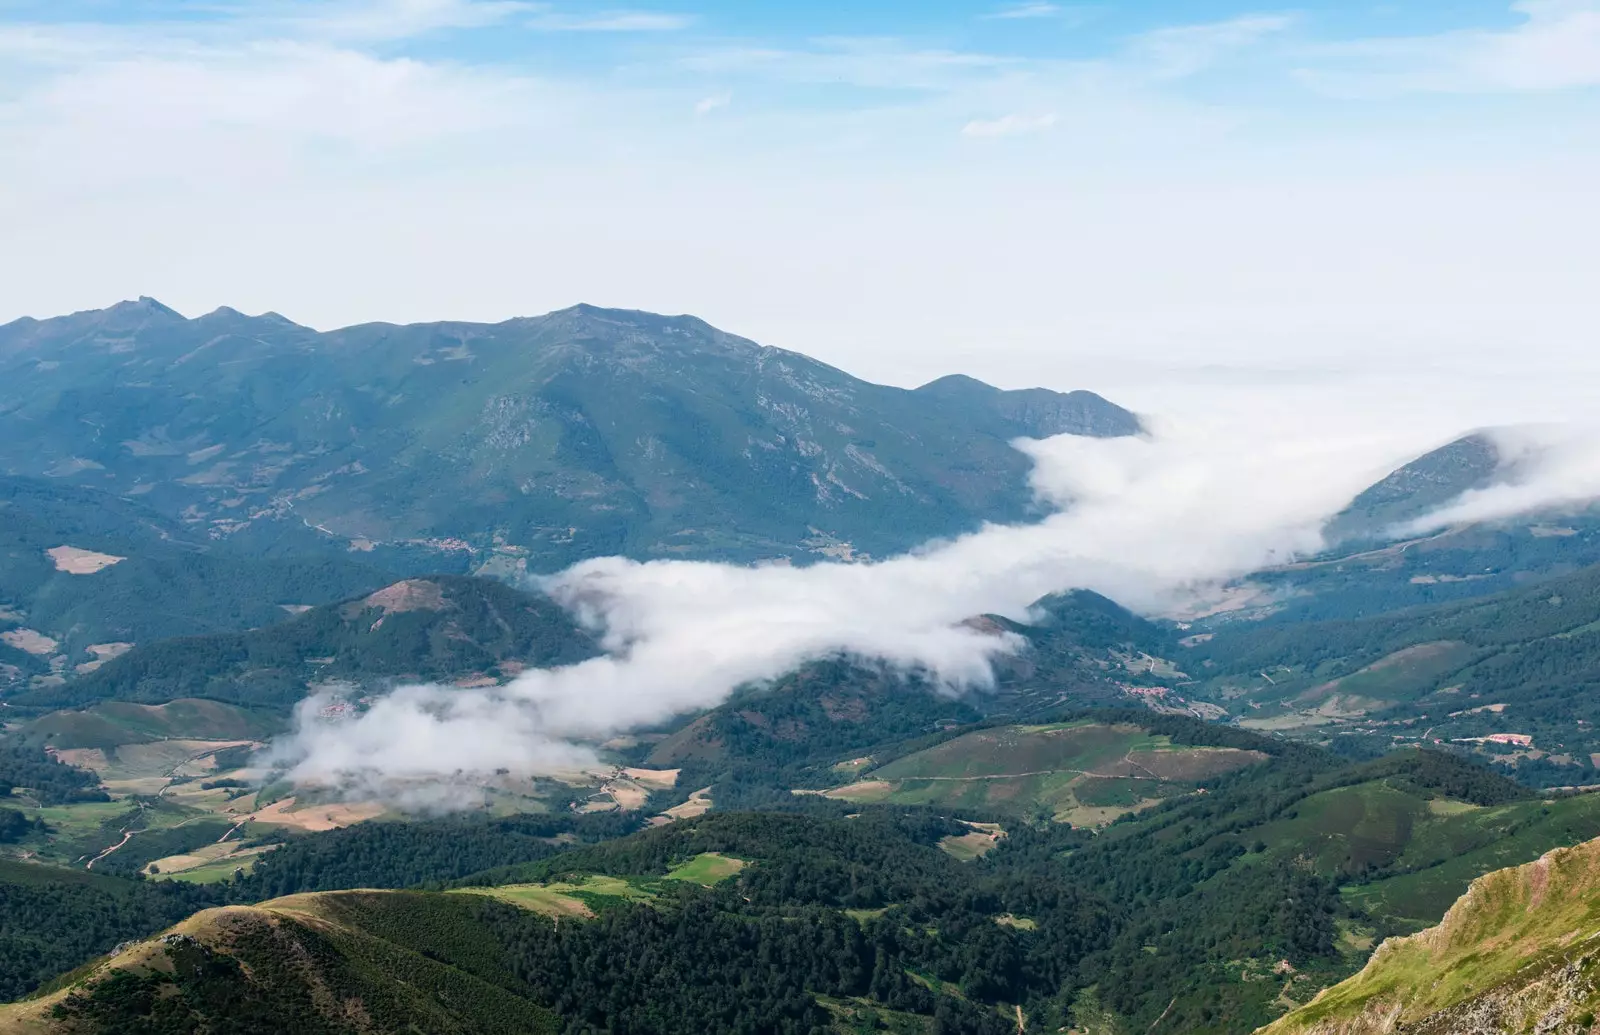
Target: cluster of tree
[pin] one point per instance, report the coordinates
(25, 766)
(14, 826)
(52, 920)
(403, 855)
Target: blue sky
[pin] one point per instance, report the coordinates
(1024, 190)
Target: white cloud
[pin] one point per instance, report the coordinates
(707, 105)
(612, 21)
(1556, 46)
(1008, 125)
(1544, 467)
(873, 62)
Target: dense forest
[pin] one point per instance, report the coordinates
(52, 920)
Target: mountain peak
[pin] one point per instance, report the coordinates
(144, 306)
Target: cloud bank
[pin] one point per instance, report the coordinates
(1157, 522)
(1550, 467)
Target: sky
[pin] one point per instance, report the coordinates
(1138, 198)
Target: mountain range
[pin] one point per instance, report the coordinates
(529, 443)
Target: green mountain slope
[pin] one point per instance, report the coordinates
(1524, 663)
(341, 963)
(54, 919)
(535, 441)
(1424, 484)
(1517, 953)
(1082, 650)
(1085, 773)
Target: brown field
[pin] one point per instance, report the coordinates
(74, 561)
(862, 791)
(409, 595)
(317, 818)
(981, 841)
(699, 804)
(655, 779)
(30, 641)
(231, 850)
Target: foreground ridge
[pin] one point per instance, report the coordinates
(1517, 953)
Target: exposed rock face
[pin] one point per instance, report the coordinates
(1518, 954)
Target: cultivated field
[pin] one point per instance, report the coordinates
(1083, 773)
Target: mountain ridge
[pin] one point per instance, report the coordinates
(529, 443)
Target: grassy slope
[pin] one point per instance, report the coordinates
(113, 723)
(1082, 772)
(336, 962)
(1501, 952)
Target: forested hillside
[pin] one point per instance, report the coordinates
(533, 442)
(442, 628)
(1512, 676)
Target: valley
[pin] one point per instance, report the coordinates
(1137, 823)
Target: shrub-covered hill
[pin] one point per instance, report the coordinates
(754, 953)
(436, 628)
(1519, 952)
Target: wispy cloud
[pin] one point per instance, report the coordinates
(707, 105)
(1008, 125)
(612, 21)
(1026, 10)
(1183, 50)
(871, 62)
(1556, 46)
(376, 20)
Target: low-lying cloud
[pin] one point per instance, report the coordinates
(1158, 522)
(1551, 467)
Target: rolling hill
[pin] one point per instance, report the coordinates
(1511, 676)
(534, 442)
(337, 963)
(441, 628)
(1084, 773)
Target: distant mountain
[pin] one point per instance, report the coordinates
(1514, 954)
(1425, 484)
(534, 442)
